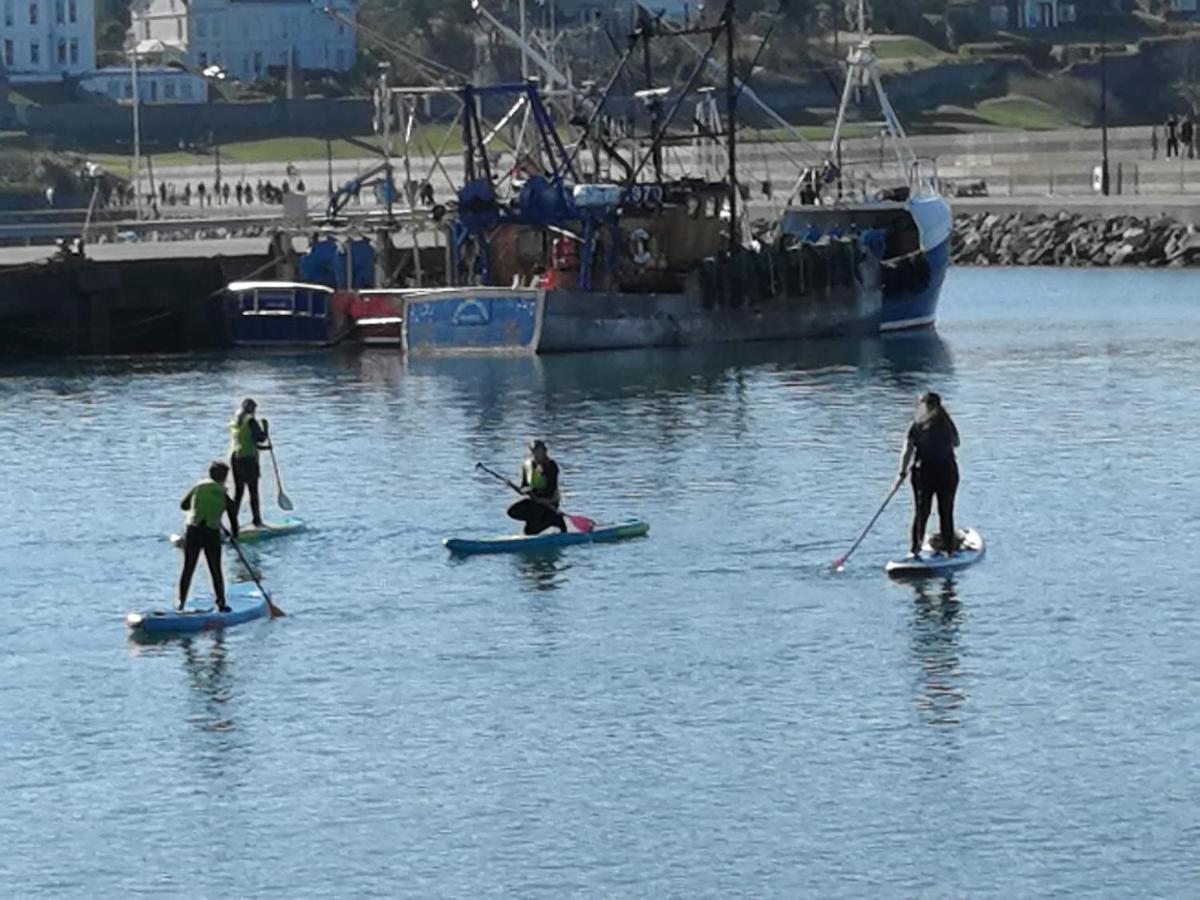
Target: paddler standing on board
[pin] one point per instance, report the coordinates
(929, 446)
(205, 504)
(539, 484)
(247, 437)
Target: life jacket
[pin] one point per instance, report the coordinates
(241, 441)
(535, 478)
(208, 505)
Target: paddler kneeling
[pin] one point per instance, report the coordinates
(539, 483)
(205, 504)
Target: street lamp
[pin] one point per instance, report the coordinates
(132, 49)
(1103, 105)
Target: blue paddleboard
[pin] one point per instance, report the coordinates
(929, 563)
(246, 603)
(520, 543)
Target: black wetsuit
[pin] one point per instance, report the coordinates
(934, 474)
(541, 513)
(246, 473)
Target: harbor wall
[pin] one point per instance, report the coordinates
(77, 306)
(1072, 239)
(163, 127)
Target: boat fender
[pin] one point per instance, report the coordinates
(639, 246)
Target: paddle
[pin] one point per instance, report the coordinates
(840, 562)
(581, 523)
(274, 610)
(282, 500)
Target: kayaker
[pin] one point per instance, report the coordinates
(539, 483)
(929, 447)
(247, 437)
(205, 504)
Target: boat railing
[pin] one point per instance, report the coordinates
(287, 302)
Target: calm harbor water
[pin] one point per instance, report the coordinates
(708, 712)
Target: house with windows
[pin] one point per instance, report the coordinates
(246, 38)
(47, 40)
(155, 84)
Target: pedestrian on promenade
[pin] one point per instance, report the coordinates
(1172, 125)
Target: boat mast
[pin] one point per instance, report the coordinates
(731, 115)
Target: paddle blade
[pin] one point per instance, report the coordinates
(582, 524)
(283, 501)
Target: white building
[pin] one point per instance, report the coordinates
(246, 37)
(44, 40)
(156, 84)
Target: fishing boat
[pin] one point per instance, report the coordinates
(285, 314)
(910, 213)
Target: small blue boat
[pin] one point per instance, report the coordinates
(520, 543)
(246, 603)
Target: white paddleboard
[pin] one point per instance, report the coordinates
(930, 563)
(252, 534)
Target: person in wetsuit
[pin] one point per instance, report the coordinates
(247, 437)
(539, 482)
(929, 449)
(205, 504)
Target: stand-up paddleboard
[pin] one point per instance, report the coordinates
(971, 549)
(246, 603)
(520, 543)
(252, 534)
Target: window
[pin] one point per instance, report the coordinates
(73, 11)
(60, 12)
(8, 54)
(74, 51)
(33, 13)
(62, 52)
(35, 53)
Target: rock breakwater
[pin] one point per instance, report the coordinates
(1072, 239)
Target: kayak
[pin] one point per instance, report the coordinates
(252, 535)
(971, 550)
(522, 543)
(246, 603)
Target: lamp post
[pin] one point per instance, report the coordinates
(137, 130)
(1103, 105)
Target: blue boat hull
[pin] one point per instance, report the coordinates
(603, 534)
(914, 305)
(246, 604)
